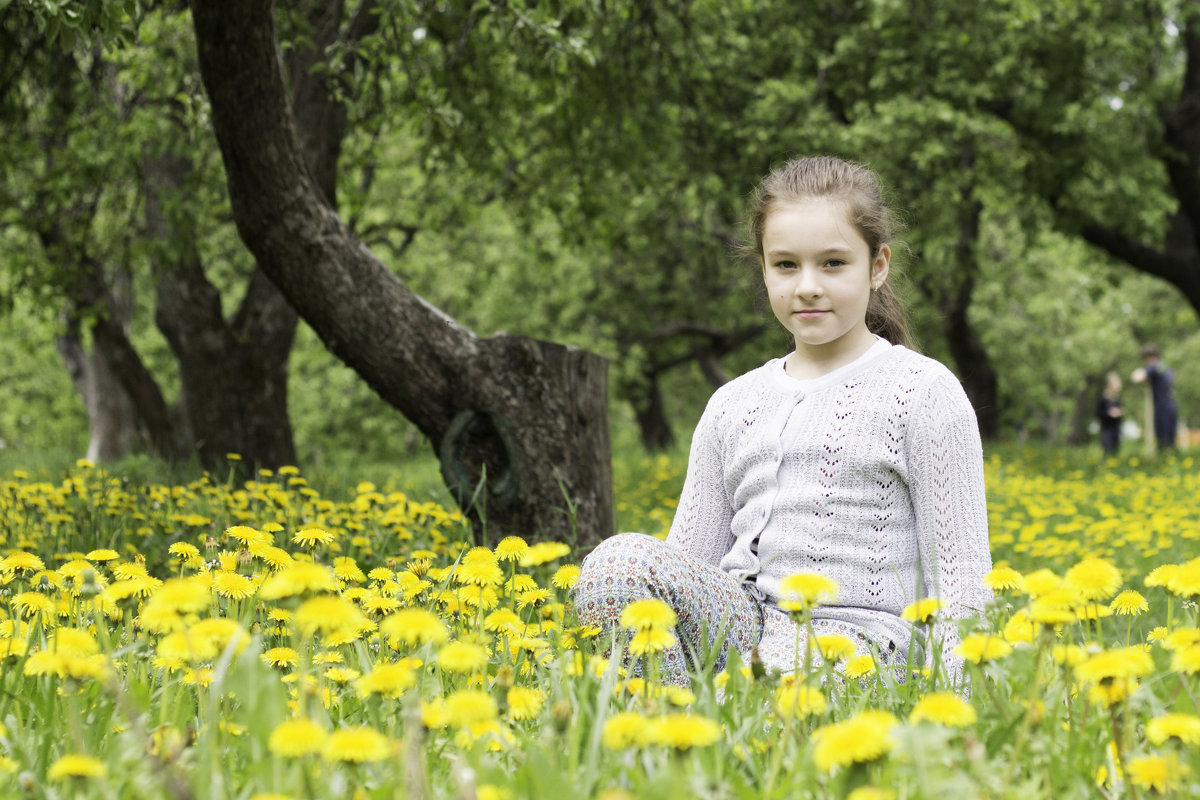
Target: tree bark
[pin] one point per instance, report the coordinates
(529, 416)
(233, 374)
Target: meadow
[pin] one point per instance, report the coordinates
(215, 638)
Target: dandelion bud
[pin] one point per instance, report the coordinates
(757, 668)
(561, 713)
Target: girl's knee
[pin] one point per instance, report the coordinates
(619, 569)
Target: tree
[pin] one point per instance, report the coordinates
(131, 117)
(520, 425)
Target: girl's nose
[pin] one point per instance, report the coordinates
(808, 282)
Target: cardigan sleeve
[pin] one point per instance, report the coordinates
(949, 499)
(702, 526)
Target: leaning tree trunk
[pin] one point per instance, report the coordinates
(520, 425)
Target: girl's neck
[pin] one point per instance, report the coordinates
(807, 362)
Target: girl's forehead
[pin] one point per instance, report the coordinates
(818, 221)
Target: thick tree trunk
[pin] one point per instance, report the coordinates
(1084, 409)
(975, 369)
(233, 374)
(531, 415)
(971, 360)
(651, 414)
(113, 430)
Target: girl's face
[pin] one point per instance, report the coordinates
(819, 273)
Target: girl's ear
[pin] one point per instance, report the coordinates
(880, 266)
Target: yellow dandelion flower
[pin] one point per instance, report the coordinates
(1020, 628)
(565, 576)
(357, 745)
(479, 573)
(871, 793)
(511, 548)
(296, 738)
(679, 696)
(76, 765)
(345, 569)
(128, 570)
(20, 560)
(248, 536)
(980, 647)
(650, 640)
(301, 577)
(624, 729)
(1185, 581)
(1111, 692)
(648, 614)
(1161, 575)
(1161, 774)
(860, 666)
(386, 680)
(233, 585)
(543, 553)
(184, 550)
(72, 641)
(1040, 581)
(1123, 662)
(1181, 637)
(331, 616)
(683, 731)
(533, 597)
(794, 700)
(834, 646)
(520, 583)
(282, 657)
(29, 604)
(103, 554)
(804, 590)
(504, 619)
(524, 702)
(921, 611)
(863, 737)
(462, 657)
(1054, 607)
(8, 766)
(469, 707)
(1093, 578)
(181, 595)
(12, 648)
(311, 537)
(1129, 603)
(1184, 727)
(1069, 655)
(1186, 660)
(433, 713)
(943, 708)
(414, 626)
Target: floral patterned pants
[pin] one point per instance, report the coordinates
(710, 606)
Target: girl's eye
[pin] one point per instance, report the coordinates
(834, 263)
(785, 265)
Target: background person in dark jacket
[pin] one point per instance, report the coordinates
(1162, 382)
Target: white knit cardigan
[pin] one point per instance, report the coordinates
(871, 475)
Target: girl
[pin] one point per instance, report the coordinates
(853, 457)
(1110, 412)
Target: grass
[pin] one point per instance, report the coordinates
(178, 664)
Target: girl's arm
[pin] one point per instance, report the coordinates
(703, 518)
(946, 466)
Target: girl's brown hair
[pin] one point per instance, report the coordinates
(858, 190)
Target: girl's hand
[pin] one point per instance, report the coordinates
(1139, 375)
